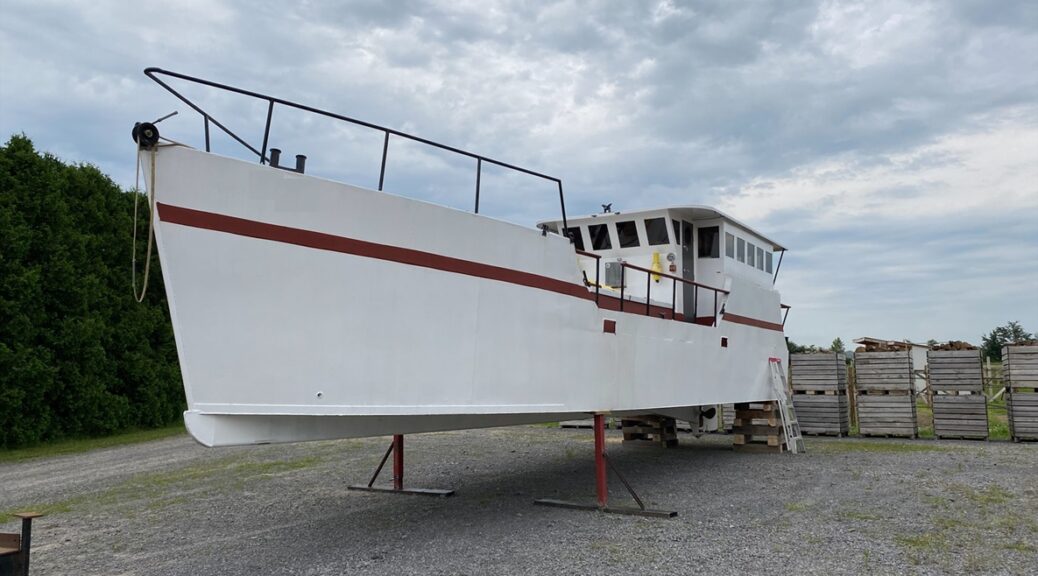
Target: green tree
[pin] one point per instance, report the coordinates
(795, 348)
(1012, 332)
(78, 356)
(837, 345)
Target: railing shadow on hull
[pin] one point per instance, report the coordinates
(262, 152)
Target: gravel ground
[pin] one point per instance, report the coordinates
(849, 506)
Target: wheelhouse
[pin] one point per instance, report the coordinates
(675, 262)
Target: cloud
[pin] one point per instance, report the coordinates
(835, 126)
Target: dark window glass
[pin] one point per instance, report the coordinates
(677, 230)
(760, 258)
(741, 251)
(767, 262)
(599, 237)
(750, 251)
(627, 234)
(710, 242)
(656, 231)
(578, 238)
(729, 245)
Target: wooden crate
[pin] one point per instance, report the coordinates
(956, 381)
(650, 431)
(821, 372)
(887, 414)
(1020, 374)
(758, 428)
(884, 397)
(960, 416)
(822, 414)
(882, 371)
(955, 370)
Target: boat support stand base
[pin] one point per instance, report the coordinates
(602, 489)
(396, 448)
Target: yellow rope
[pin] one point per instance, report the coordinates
(151, 226)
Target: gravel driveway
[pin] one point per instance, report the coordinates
(849, 506)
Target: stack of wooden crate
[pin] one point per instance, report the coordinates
(1020, 373)
(883, 394)
(957, 387)
(820, 393)
(651, 430)
(758, 428)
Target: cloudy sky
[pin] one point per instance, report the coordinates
(891, 145)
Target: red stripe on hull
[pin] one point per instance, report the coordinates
(736, 319)
(322, 241)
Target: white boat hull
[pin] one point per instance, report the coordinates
(306, 309)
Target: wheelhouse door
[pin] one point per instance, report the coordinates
(688, 272)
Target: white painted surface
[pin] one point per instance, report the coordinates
(279, 342)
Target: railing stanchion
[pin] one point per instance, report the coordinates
(715, 307)
(598, 283)
(673, 297)
(266, 133)
(623, 280)
(648, 289)
(206, 118)
(695, 303)
(479, 172)
(562, 203)
(382, 169)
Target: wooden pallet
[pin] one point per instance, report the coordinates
(727, 417)
(1020, 373)
(757, 427)
(650, 431)
(887, 415)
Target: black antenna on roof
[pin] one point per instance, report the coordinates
(607, 208)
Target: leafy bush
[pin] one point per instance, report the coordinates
(78, 355)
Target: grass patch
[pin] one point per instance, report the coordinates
(78, 445)
(158, 490)
(850, 446)
(856, 515)
(925, 542)
(1020, 546)
(796, 506)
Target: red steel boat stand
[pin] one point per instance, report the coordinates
(396, 448)
(602, 488)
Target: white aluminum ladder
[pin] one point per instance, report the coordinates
(794, 441)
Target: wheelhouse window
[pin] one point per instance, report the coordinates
(677, 231)
(767, 262)
(709, 242)
(627, 234)
(729, 245)
(656, 231)
(740, 253)
(599, 237)
(578, 238)
(760, 258)
(751, 251)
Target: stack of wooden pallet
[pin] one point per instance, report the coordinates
(883, 394)
(650, 430)
(1020, 372)
(727, 417)
(758, 428)
(957, 384)
(820, 393)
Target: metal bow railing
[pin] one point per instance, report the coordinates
(262, 152)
